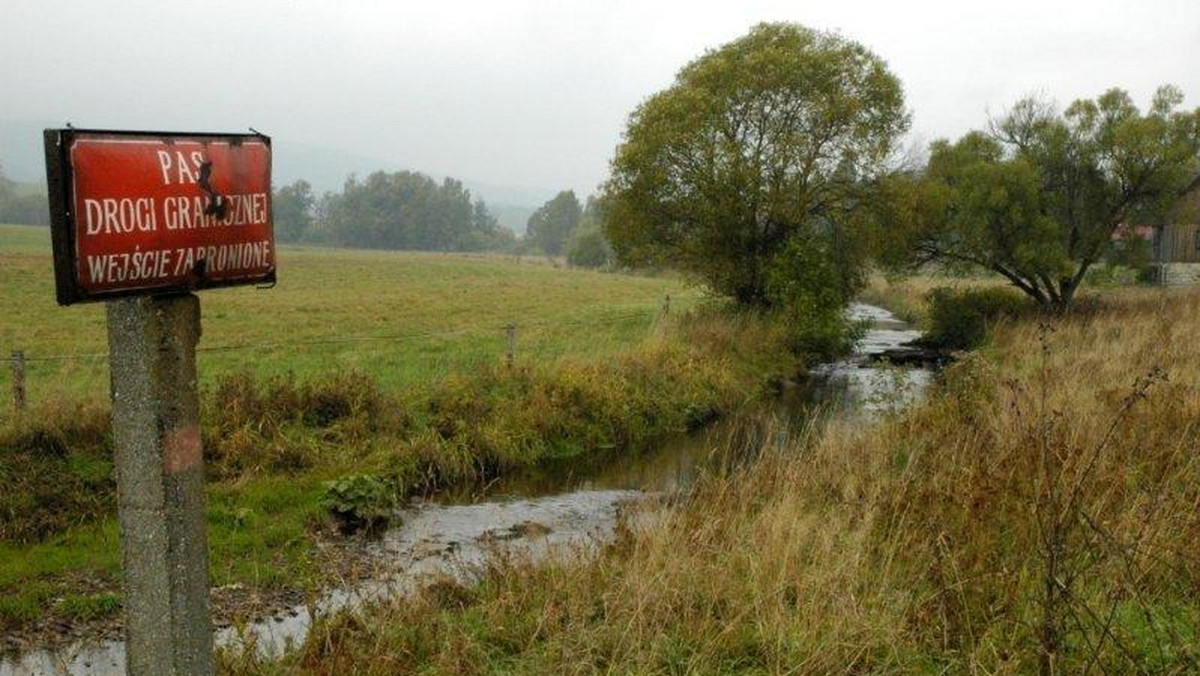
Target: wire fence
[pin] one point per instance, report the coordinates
(543, 340)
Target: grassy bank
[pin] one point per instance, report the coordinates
(1037, 514)
(599, 370)
(907, 297)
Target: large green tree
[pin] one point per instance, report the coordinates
(403, 210)
(773, 136)
(587, 247)
(487, 234)
(551, 225)
(1038, 197)
(293, 208)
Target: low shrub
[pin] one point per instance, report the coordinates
(507, 418)
(1115, 276)
(809, 284)
(959, 318)
(589, 249)
(360, 502)
(56, 467)
(284, 426)
(239, 399)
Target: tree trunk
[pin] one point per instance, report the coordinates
(1066, 296)
(1028, 287)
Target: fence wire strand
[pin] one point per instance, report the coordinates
(648, 314)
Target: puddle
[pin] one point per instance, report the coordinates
(439, 542)
(549, 511)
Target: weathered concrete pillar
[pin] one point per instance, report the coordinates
(160, 485)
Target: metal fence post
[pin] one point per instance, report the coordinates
(18, 379)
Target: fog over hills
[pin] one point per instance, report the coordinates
(325, 168)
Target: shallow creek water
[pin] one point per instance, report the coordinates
(563, 510)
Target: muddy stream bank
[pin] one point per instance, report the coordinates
(556, 510)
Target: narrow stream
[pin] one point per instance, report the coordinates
(550, 511)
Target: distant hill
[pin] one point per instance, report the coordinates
(27, 205)
(326, 169)
(21, 152)
(511, 216)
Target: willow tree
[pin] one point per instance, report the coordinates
(769, 138)
(1038, 198)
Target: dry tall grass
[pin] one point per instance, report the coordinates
(1038, 514)
(906, 296)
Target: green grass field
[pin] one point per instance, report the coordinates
(405, 318)
(386, 364)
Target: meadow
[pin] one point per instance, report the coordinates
(1036, 514)
(405, 318)
(384, 369)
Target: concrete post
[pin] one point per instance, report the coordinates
(18, 379)
(510, 355)
(160, 485)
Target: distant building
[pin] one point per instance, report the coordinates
(1176, 257)
(1129, 233)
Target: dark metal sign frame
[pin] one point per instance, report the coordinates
(60, 187)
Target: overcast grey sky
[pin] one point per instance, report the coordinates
(536, 93)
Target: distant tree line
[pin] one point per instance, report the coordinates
(411, 211)
(563, 227)
(401, 210)
(21, 207)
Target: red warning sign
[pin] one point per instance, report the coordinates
(136, 212)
